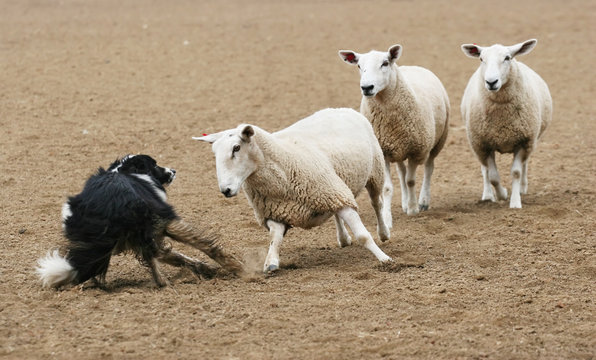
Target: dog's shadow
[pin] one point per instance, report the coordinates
(183, 276)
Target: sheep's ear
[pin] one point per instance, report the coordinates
(349, 56)
(395, 52)
(522, 48)
(471, 50)
(209, 138)
(246, 133)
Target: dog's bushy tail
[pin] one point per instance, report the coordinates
(55, 270)
(82, 262)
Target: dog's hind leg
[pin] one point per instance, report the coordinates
(185, 233)
(175, 258)
(160, 280)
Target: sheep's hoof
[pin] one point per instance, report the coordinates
(423, 207)
(344, 242)
(271, 268)
(413, 212)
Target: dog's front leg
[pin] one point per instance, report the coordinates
(175, 258)
(183, 232)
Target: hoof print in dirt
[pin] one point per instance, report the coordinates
(394, 266)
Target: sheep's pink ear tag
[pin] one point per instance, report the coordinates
(350, 57)
(205, 134)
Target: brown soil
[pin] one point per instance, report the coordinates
(85, 82)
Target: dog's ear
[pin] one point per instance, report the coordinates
(209, 138)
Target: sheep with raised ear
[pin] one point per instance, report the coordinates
(506, 107)
(408, 108)
(304, 174)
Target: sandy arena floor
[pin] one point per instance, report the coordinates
(83, 82)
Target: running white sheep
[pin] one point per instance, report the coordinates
(409, 111)
(506, 107)
(304, 174)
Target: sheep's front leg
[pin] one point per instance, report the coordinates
(495, 180)
(517, 170)
(376, 199)
(387, 195)
(343, 238)
(401, 172)
(352, 219)
(411, 185)
(424, 201)
(276, 230)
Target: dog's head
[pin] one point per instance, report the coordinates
(143, 165)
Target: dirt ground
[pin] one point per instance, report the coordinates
(83, 82)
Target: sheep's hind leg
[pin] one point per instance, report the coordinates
(401, 172)
(516, 178)
(276, 230)
(343, 238)
(352, 219)
(524, 180)
(424, 201)
(495, 180)
(487, 193)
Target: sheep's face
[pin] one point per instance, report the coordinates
(235, 157)
(376, 68)
(496, 60)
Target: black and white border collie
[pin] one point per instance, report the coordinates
(125, 209)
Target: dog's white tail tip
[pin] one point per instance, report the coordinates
(54, 270)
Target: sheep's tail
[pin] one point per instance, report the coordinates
(185, 233)
(55, 270)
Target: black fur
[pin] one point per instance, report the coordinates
(118, 211)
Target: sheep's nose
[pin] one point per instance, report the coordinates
(492, 84)
(227, 192)
(367, 89)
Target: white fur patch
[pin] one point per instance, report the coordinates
(158, 191)
(127, 157)
(54, 270)
(66, 213)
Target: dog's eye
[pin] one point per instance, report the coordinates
(507, 58)
(236, 148)
(385, 63)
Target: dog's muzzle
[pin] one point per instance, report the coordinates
(172, 173)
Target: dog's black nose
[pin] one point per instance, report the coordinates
(492, 84)
(227, 192)
(367, 90)
(173, 171)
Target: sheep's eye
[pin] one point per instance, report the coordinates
(385, 63)
(481, 60)
(358, 66)
(236, 148)
(507, 58)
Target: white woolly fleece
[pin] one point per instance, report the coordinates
(54, 270)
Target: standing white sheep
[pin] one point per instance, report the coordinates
(304, 174)
(506, 106)
(409, 111)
